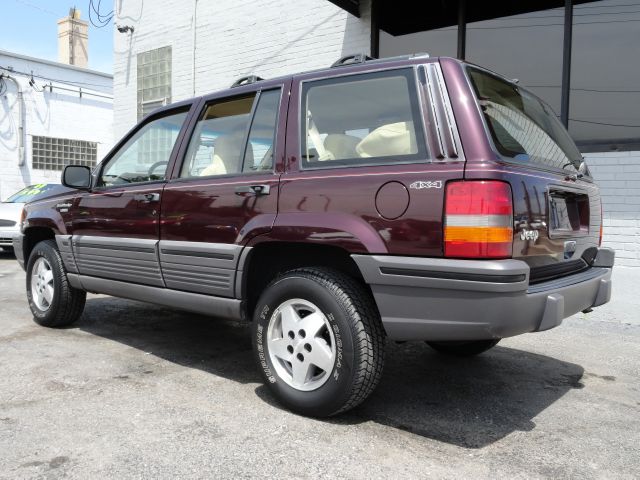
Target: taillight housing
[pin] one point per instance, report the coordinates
(478, 219)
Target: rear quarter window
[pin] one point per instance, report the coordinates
(362, 119)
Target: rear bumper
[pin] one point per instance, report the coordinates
(443, 299)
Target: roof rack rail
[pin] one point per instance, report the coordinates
(249, 79)
(357, 58)
(352, 59)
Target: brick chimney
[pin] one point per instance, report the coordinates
(73, 39)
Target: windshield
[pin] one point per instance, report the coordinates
(524, 129)
(29, 193)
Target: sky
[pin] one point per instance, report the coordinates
(29, 27)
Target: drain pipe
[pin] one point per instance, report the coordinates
(193, 46)
(21, 134)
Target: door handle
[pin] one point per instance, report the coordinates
(147, 197)
(254, 189)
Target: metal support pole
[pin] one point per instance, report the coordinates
(375, 29)
(462, 28)
(566, 62)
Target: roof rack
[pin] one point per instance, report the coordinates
(249, 79)
(352, 59)
(357, 58)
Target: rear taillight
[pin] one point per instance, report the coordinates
(478, 219)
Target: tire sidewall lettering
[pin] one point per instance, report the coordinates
(41, 314)
(339, 381)
(262, 352)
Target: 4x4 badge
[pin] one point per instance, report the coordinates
(419, 185)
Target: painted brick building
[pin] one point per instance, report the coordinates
(53, 114)
(179, 49)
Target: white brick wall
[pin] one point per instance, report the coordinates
(618, 175)
(55, 114)
(234, 38)
(278, 37)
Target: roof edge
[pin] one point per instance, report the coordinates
(56, 64)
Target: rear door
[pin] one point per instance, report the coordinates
(557, 212)
(224, 188)
(116, 226)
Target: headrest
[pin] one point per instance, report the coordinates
(389, 140)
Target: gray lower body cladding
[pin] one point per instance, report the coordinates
(194, 276)
(125, 259)
(191, 302)
(200, 267)
(442, 299)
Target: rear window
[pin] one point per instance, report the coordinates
(364, 119)
(524, 129)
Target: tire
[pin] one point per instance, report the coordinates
(331, 330)
(53, 302)
(464, 349)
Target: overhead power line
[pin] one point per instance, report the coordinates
(57, 80)
(585, 7)
(453, 29)
(605, 124)
(535, 17)
(31, 5)
(596, 90)
(103, 19)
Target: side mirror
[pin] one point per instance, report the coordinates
(76, 176)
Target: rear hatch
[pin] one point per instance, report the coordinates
(556, 204)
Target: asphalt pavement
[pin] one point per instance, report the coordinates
(139, 391)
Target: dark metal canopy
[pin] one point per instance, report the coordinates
(400, 17)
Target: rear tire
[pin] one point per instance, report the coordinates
(53, 302)
(464, 349)
(318, 341)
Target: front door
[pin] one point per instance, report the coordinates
(116, 225)
(224, 192)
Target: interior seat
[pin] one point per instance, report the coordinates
(227, 155)
(389, 140)
(341, 146)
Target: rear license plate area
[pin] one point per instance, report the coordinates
(568, 213)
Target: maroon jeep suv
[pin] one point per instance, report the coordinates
(413, 198)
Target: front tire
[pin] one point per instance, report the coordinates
(53, 302)
(464, 349)
(318, 341)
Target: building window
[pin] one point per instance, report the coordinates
(154, 80)
(50, 153)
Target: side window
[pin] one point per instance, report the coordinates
(217, 144)
(362, 120)
(260, 149)
(145, 156)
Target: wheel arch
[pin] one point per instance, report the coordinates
(267, 260)
(33, 236)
